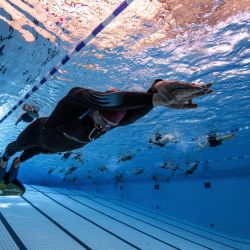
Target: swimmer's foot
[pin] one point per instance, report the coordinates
(14, 169)
(3, 165)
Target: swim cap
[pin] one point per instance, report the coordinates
(152, 88)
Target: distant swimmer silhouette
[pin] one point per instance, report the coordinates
(161, 140)
(83, 115)
(31, 113)
(213, 140)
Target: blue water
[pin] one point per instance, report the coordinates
(223, 58)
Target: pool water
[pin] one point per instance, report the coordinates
(208, 42)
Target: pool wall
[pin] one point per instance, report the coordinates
(221, 205)
(56, 218)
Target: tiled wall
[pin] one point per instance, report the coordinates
(221, 205)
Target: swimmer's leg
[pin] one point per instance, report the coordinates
(10, 150)
(3, 166)
(27, 154)
(12, 174)
(28, 138)
(27, 141)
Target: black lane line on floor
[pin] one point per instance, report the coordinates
(57, 192)
(168, 218)
(205, 237)
(111, 200)
(123, 222)
(58, 225)
(12, 233)
(93, 195)
(85, 218)
(162, 229)
(133, 218)
(221, 243)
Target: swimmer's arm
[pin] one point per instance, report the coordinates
(132, 115)
(202, 145)
(123, 100)
(79, 100)
(228, 136)
(165, 139)
(18, 120)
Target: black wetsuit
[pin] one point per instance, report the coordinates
(214, 141)
(69, 125)
(26, 117)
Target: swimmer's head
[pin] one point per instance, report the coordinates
(153, 89)
(156, 80)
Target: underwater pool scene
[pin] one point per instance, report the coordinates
(173, 179)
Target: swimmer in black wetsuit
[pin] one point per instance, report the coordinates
(162, 140)
(83, 115)
(31, 113)
(214, 140)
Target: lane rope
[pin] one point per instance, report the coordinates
(72, 53)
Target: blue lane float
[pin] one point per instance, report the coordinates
(73, 52)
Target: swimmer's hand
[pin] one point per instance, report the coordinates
(177, 94)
